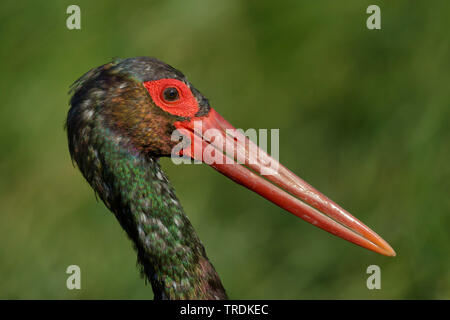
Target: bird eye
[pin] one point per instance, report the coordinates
(171, 94)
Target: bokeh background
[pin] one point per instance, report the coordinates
(363, 116)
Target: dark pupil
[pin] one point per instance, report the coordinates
(171, 94)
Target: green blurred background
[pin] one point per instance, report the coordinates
(363, 116)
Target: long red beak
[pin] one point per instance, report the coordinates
(224, 148)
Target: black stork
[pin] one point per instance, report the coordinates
(122, 118)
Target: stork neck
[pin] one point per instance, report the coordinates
(172, 257)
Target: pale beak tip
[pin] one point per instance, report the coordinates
(392, 253)
(388, 251)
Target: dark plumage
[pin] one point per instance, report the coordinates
(116, 136)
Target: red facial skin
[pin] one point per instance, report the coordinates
(185, 106)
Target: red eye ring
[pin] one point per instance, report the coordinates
(185, 106)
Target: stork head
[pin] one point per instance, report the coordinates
(143, 101)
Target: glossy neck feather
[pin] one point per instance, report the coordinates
(137, 191)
